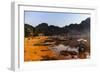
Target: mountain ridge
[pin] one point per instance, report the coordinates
(50, 30)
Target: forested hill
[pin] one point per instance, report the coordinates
(46, 29)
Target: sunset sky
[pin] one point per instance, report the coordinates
(53, 18)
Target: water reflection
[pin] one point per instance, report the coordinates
(61, 47)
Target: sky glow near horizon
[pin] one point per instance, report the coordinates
(53, 18)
